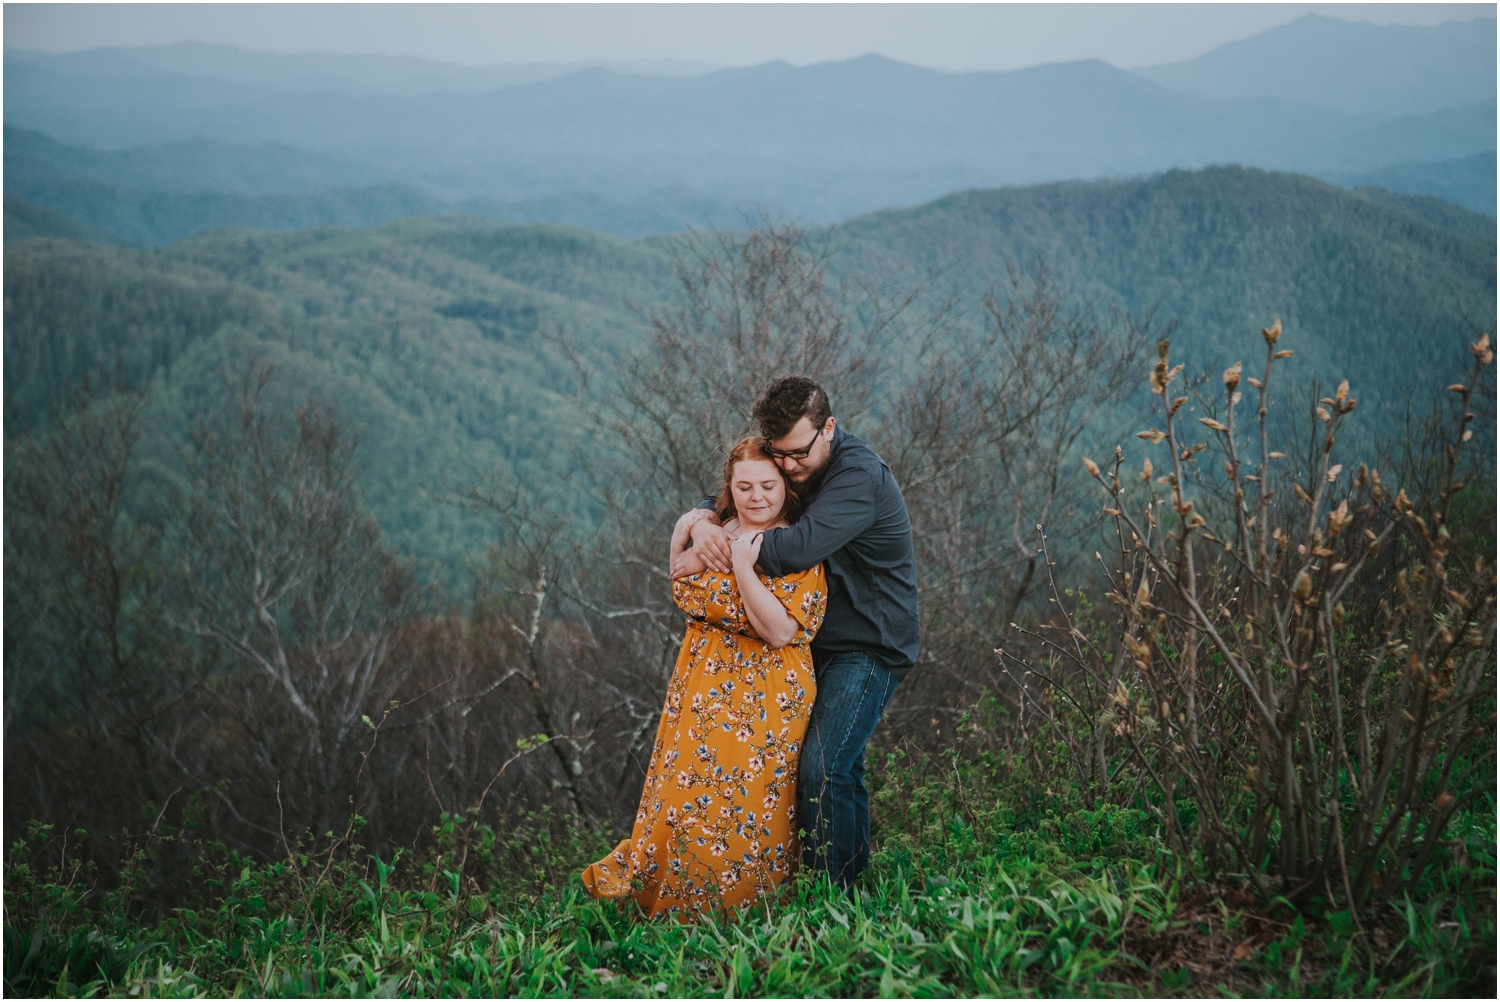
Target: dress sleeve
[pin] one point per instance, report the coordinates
(713, 598)
(805, 596)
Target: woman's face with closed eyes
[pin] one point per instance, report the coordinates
(759, 493)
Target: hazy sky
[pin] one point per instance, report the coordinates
(946, 36)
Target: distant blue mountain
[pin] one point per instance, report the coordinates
(157, 195)
(191, 166)
(1466, 181)
(1353, 67)
(826, 142)
(359, 75)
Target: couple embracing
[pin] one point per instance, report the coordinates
(800, 587)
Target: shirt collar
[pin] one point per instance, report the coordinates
(839, 434)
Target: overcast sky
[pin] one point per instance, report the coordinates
(945, 36)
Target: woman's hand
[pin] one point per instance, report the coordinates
(745, 551)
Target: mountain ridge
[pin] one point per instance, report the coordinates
(1349, 66)
(1268, 244)
(827, 141)
(348, 73)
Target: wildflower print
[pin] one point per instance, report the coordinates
(717, 808)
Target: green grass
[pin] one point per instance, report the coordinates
(975, 890)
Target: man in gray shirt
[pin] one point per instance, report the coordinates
(854, 521)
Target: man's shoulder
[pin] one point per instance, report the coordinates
(860, 463)
(855, 454)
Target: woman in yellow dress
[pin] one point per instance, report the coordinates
(716, 825)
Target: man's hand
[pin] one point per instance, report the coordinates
(691, 518)
(712, 544)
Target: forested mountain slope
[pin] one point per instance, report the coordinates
(1367, 289)
(442, 338)
(24, 220)
(1467, 181)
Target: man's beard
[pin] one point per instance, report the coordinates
(808, 487)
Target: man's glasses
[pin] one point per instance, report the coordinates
(797, 454)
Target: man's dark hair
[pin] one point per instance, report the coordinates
(788, 400)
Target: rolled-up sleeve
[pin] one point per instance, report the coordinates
(843, 508)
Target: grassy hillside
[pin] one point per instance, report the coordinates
(440, 337)
(1369, 287)
(983, 885)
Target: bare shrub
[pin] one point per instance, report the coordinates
(750, 308)
(1321, 740)
(289, 579)
(978, 439)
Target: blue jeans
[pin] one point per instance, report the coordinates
(833, 806)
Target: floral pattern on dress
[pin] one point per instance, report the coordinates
(717, 819)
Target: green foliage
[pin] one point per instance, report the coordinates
(984, 885)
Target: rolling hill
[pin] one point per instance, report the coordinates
(1466, 181)
(1368, 287)
(155, 195)
(442, 338)
(441, 341)
(24, 220)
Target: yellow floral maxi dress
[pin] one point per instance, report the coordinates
(717, 824)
